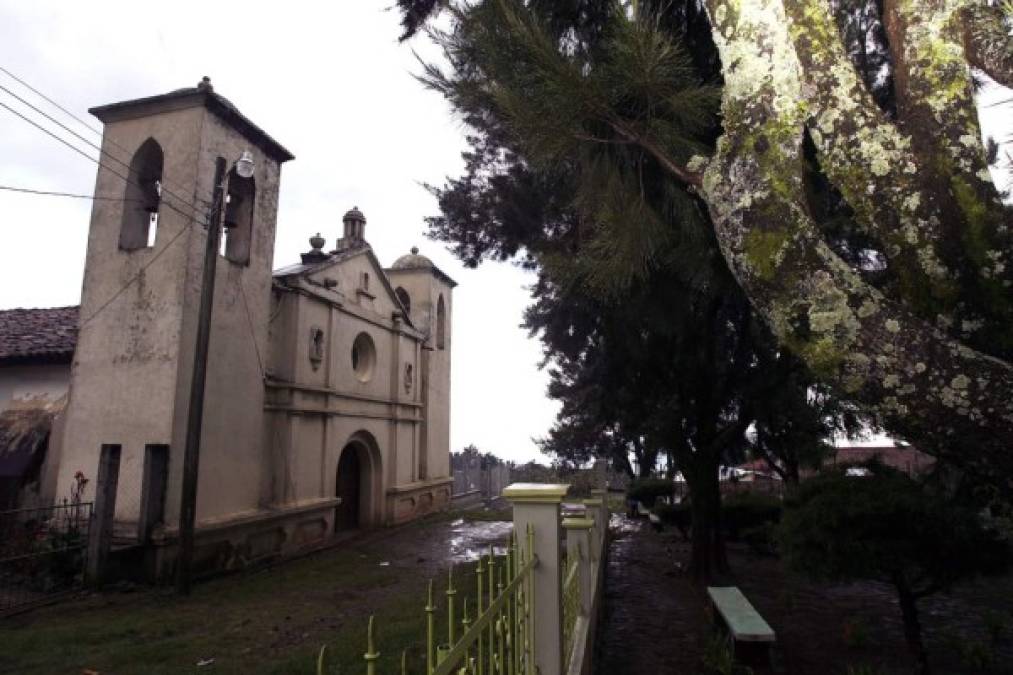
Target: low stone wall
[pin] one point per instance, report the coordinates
(466, 500)
(413, 501)
(235, 543)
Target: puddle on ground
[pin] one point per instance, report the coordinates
(620, 524)
(469, 540)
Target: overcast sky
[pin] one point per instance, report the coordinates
(331, 83)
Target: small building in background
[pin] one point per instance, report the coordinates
(36, 350)
(904, 458)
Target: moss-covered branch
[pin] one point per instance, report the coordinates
(872, 162)
(923, 383)
(935, 103)
(988, 45)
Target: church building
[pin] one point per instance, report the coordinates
(327, 403)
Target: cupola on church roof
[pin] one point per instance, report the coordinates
(417, 261)
(354, 214)
(413, 261)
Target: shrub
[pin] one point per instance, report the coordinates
(678, 516)
(996, 623)
(719, 659)
(762, 539)
(855, 633)
(887, 526)
(866, 670)
(745, 511)
(647, 490)
(976, 656)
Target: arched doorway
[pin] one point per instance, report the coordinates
(349, 488)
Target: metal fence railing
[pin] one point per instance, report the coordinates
(42, 553)
(571, 606)
(535, 610)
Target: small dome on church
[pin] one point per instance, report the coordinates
(354, 214)
(413, 261)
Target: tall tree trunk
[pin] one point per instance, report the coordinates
(912, 627)
(709, 557)
(791, 472)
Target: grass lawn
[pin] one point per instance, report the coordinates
(270, 621)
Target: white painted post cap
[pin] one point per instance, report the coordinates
(536, 493)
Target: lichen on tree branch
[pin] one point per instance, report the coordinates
(871, 161)
(988, 44)
(918, 379)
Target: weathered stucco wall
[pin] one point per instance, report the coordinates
(318, 402)
(48, 381)
(131, 373)
(284, 396)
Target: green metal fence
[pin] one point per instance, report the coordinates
(571, 605)
(497, 639)
(498, 626)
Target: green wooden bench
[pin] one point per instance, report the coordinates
(750, 634)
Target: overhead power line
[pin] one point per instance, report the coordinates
(127, 153)
(49, 100)
(88, 142)
(49, 193)
(84, 154)
(137, 276)
(191, 218)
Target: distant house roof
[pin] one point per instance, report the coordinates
(903, 457)
(46, 335)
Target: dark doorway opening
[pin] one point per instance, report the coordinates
(349, 489)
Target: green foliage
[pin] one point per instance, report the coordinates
(679, 516)
(747, 511)
(889, 527)
(976, 656)
(855, 633)
(719, 658)
(647, 490)
(761, 539)
(865, 669)
(577, 110)
(885, 526)
(997, 624)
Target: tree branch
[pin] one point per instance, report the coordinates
(692, 179)
(988, 45)
(935, 104)
(922, 384)
(871, 162)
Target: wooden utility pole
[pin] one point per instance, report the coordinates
(100, 536)
(195, 414)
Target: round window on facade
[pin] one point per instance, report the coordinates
(363, 357)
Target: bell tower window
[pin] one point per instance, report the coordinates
(142, 198)
(441, 324)
(239, 218)
(406, 300)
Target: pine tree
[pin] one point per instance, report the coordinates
(916, 324)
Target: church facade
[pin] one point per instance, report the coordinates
(327, 403)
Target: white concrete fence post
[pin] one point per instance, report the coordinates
(602, 498)
(593, 509)
(579, 542)
(537, 505)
